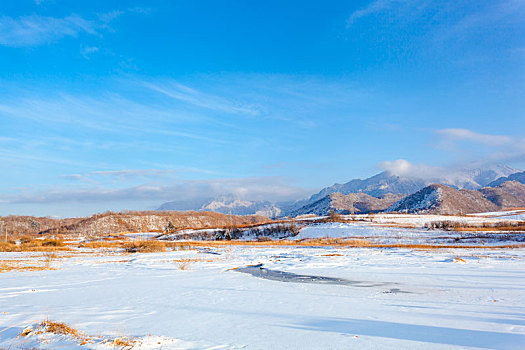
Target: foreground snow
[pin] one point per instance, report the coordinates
(398, 298)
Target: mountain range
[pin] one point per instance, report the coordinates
(229, 204)
(383, 191)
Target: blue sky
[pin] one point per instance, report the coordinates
(125, 105)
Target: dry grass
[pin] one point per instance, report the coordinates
(486, 226)
(122, 343)
(82, 338)
(142, 246)
(34, 245)
(150, 246)
(184, 264)
(344, 243)
(60, 328)
(18, 265)
(503, 227)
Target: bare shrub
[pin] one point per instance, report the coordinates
(333, 216)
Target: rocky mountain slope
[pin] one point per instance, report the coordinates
(441, 199)
(507, 195)
(353, 203)
(388, 183)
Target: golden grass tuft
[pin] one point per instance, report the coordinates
(82, 338)
(145, 246)
(60, 328)
(24, 265)
(123, 343)
(28, 244)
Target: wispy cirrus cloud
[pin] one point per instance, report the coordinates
(34, 30)
(124, 175)
(120, 175)
(472, 136)
(439, 21)
(496, 148)
(198, 98)
(376, 6)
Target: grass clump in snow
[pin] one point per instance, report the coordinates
(124, 343)
(145, 246)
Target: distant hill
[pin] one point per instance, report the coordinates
(441, 199)
(519, 177)
(506, 195)
(133, 221)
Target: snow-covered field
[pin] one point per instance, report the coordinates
(398, 235)
(420, 220)
(195, 299)
(248, 296)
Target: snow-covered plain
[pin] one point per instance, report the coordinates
(418, 299)
(296, 297)
(399, 235)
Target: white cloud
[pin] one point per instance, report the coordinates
(192, 96)
(472, 136)
(376, 6)
(120, 175)
(252, 188)
(402, 167)
(36, 30)
(89, 50)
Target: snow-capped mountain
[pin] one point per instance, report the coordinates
(372, 194)
(230, 204)
(386, 182)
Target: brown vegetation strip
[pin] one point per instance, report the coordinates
(349, 244)
(316, 242)
(490, 228)
(34, 245)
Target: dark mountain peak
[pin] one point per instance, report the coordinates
(519, 177)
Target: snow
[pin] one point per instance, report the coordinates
(400, 235)
(419, 299)
(420, 220)
(505, 215)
